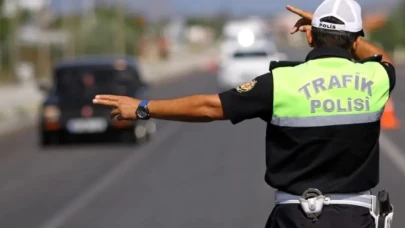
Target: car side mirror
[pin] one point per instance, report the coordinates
(282, 57)
(44, 87)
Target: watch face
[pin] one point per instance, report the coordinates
(141, 114)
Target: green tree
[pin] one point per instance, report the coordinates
(95, 37)
(393, 32)
(4, 33)
(216, 22)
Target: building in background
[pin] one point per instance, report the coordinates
(30, 31)
(11, 6)
(201, 35)
(174, 33)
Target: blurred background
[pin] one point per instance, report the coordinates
(56, 169)
(35, 34)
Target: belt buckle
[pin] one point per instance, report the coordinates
(311, 193)
(312, 198)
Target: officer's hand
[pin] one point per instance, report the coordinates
(124, 108)
(304, 23)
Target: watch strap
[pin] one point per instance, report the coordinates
(144, 103)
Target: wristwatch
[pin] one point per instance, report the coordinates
(142, 112)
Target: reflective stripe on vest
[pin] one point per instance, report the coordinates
(330, 91)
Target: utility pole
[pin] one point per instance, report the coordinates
(92, 15)
(1, 45)
(89, 21)
(2, 2)
(120, 41)
(86, 18)
(67, 26)
(15, 44)
(44, 49)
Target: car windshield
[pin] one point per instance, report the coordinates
(251, 54)
(84, 83)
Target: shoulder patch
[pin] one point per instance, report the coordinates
(246, 87)
(277, 64)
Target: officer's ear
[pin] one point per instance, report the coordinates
(355, 44)
(308, 33)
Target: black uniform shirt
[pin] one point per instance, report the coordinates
(348, 164)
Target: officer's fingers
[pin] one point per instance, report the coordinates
(119, 117)
(114, 113)
(300, 12)
(305, 28)
(298, 29)
(305, 14)
(108, 97)
(301, 22)
(294, 30)
(104, 102)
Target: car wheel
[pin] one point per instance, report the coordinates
(49, 139)
(128, 137)
(141, 133)
(44, 141)
(150, 129)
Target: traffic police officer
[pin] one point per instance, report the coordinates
(323, 117)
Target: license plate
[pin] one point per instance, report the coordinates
(92, 125)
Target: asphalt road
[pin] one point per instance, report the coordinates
(190, 175)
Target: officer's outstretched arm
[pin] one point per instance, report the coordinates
(248, 101)
(365, 49)
(196, 108)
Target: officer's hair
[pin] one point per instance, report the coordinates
(325, 37)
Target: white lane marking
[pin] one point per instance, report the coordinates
(393, 152)
(107, 180)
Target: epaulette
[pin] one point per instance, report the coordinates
(277, 64)
(374, 58)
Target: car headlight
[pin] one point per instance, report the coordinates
(246, 38)
(51, 113)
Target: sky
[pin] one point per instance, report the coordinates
(260, 6)
(192, 7)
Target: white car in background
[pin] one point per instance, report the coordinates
(240, 64)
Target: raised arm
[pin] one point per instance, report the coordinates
(366, 49)
(363, 49)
